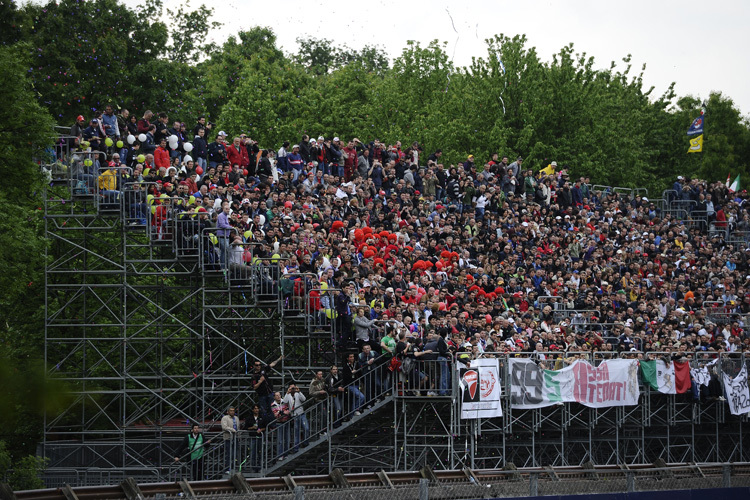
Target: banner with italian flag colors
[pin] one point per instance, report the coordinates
(612, 383)
(667, 378)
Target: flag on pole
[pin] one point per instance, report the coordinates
(696, 128)
(728, 179)
(735, 186)
(696, 144)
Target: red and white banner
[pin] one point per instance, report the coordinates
(480, 389)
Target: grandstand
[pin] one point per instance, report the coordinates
(154, 326)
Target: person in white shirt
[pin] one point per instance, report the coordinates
(295, 399)
(230, 424)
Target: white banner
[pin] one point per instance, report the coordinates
(612, 383)
(737, 392)
(480, 389)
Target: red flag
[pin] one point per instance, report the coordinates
(682, 377)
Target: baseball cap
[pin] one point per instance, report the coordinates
(335, 139)
(554, 163)
(295, 146)
(221, 132)
(80, 118)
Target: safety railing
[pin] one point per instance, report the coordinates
(81, 173)
(698, 219)
(687, 205)
(295, 290)
(322, 414)
(187, 230)
(321, 316)
(675, 213)
(424, 377)
(136, 212)
(214, 250)
(561, 314)
(265, 274)
(668, 195)
(738, 237)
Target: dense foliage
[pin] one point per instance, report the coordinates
(70, 57)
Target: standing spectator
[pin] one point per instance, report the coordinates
(350, 376)
(281, 158)
(294, 160)
(144, 124)
(76, 130)
(262, 386)
(193, 448)
(200, 149)
(230, 425)
(217, 153)
(237, 154)
(161, 155)
(255, 425)
(369, 370)
(336, 391)
(304, 149)
(362, 325)
(318, 392)
(349, 155)
(109, 121)
(281, 415)
(295, 399)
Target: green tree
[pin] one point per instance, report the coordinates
(190, 28)
(25, 133)
(224, 70)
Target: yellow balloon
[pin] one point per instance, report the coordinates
(141, 158)
(248, 234)
(323, 285)
(120, 144)
(275, 258)
(108, 142)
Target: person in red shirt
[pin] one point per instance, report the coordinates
(161, 155)
(350, 160)
(237, 154)
(144, 124)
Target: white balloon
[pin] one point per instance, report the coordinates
(173, 141)
(131, 139)
(142, 137)
(187, 147)
(187, 159)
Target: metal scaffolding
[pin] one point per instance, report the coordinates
(150, 333)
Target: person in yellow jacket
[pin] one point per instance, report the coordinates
(108, 184)
(549, 169)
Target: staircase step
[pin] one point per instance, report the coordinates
(289, 460)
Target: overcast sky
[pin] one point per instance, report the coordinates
(703, 46)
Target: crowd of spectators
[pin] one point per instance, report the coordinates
(409, 257)
(488, 254)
